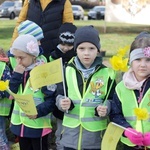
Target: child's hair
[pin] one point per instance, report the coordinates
(140, 43)
(30, 27)
(66, 33)
(26, 43)
(142, 34)
(140, 48)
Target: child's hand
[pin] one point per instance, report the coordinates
(65, 103)
(146, 140)
(101, 110)
(134, 136)
(19, 67)
(32, 116)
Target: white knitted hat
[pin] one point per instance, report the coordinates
(26, 43)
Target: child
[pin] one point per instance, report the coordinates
(29, 27)
(32, 130)
(87, 84)
(5, 103)
(65, 47)
(65, 51)
(133, 92)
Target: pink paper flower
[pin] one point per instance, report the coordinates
(32, 47)
(146, 51)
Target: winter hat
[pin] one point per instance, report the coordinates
(26, 43)
(66, 33)
(29, 27)
(87, 34)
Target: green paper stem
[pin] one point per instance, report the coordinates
(114, 77)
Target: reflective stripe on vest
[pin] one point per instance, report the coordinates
(18, 116)
(128, 99)
(84, 111)
(5, 103)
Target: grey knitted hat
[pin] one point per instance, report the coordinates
(87, 34)
(26, 43)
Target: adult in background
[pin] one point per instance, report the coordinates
(49, 15)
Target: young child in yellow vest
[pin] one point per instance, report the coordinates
(132, 94)
(65, 51)
(5, 104)
(32, 130)
(87, 83)
(29, 27)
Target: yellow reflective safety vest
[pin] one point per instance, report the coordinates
(14, 63)
(5, 103)
(129, 102)
(84, 111)
(19, 117)
(50, 58)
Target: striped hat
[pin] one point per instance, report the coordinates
(29, 27)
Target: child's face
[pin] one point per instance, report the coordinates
(141, 68)
(87, 53)
(23, 58)
(66, 47)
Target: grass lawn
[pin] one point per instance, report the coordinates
(113, 35)
(6, 31)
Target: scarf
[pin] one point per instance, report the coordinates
(131, 82)
(66, 57)
(38, 62)
(86, 72)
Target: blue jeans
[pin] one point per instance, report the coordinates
(3, 138)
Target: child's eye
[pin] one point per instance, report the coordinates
(148, 59)
(138, 59)
(92, 48)
(20, 58)
(81, 48)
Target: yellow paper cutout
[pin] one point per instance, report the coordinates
(46, 74)
(15, 146)
(111, 137)
(25, 102)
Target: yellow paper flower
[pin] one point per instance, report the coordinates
(141, 113)
(4, 85)
(119, 63)
(122, 51)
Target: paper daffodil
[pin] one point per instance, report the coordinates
(122, 51)
(119, 64)
(141, 113)
(118, 61)
(4, 85)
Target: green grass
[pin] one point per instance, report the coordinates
(112, 35)
(6, 31)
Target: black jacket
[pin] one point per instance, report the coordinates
(49, 20)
